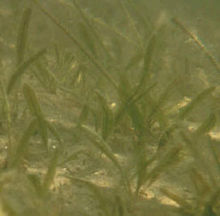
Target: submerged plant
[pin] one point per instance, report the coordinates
(104, 121)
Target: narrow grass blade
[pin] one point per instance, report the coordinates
(23, 144)
(125, 88)
(142, 19)
(137, 117)
(157, 107)
(207, 125)
(198, 42)
(7, 112)
(91, 28)
(193, 146)
(126, 95)
(115, 31)
(46, 78)
(101, 145)
(148, 56)
(57, 53)
(32, 101)
(51, 172)
(200, 183)
(142, 171)
(213, 150)
(92, 59)
(130, 101)
(53, 130)
(124, 91)
(107, 117)
(137, 97)
(165, 137)
(96, 119)
(87, 38)
(131, 21)
(22, 68)
(83, 114)
(72, 157)
(22, 35)
(182, 202)
(195, 102)
(35, 108)
(105, 149)
(170, 158)
(36, 182)
(134, 61)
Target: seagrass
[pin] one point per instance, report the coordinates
(105, 119)
(23, 35)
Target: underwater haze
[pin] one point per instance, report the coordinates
(109, 108)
